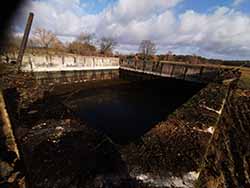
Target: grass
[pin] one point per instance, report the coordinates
(245, 78)
(6, 68)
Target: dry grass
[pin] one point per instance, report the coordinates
(245, 78)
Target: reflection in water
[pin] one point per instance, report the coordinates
(127, 110)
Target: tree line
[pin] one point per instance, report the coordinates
(89, 45)
(44, 40)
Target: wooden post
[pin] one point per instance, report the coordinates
(24, 41)
(172, 72)
(161, 68)
(185, 72)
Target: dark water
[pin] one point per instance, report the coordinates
(126, 110)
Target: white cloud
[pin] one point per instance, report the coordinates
(127, 10)
(221, 33)
(237, 2)
(64, 17)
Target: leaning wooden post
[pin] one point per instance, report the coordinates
(24, 41)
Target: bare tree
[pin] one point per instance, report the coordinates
(81, 48)
(85, 38)
(58, 45)
(83, 45)
(44, 38)
(10, 45)
(169, 56)
(107, 45)
(147, 47)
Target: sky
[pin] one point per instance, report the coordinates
(210, 28)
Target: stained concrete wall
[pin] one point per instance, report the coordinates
(194, 73)
(79, 76)
(67, 62)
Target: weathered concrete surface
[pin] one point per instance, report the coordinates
(69, 77)
(189, 72)
(227, 161)
(67, 62)
(54, 69)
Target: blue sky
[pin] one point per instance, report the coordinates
(206, 6)
(202, 6)
(96, 6)
(211, 28)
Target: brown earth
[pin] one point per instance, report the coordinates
(177, 145)
(60, 151)
(227, 162)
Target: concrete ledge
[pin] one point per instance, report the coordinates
(58, 69)
(67, 62)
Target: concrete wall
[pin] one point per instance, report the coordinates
(67, 62)
(194, 73)
(73, 67)
(78, 76)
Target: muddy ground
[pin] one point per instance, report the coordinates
(227, 161)
(177, 146)
(60, 150)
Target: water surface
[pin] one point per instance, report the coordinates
(126, 110)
